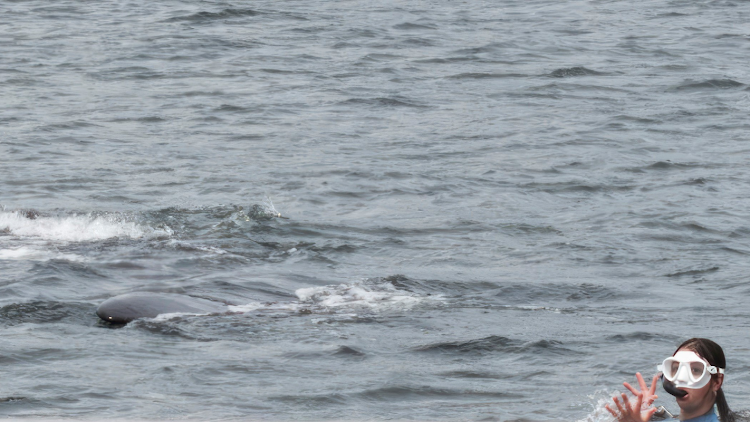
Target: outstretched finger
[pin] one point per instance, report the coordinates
(615, 414)
(639, 402)
(619, 406)
(652, 390)
(630, 387)
(649, 400)
(641, 381)
(626, 402)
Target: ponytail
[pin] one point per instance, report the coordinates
(725, 414)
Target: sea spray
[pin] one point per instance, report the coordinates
(77, 227)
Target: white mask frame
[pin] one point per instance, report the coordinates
(688, 370)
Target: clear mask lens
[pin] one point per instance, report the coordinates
(695, 370)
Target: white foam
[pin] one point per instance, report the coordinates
(270, 209)
(537, 308)
(599, 412)
(171, 315)
(76, 228)
(345, 298)
(25, 253)
(383, 295)
(266, 306)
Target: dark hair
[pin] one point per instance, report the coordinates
(713, 353)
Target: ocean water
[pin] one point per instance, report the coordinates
(417, 210)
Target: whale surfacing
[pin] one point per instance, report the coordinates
(125, 308)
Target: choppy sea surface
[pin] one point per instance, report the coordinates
(420, 210)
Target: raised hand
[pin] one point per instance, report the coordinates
(634, 412)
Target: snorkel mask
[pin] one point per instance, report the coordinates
(686, 370)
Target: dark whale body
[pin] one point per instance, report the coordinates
(125, 308)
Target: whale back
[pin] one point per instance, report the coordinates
(125, 308)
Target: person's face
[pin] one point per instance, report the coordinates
(700, 400)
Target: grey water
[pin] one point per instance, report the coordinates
(418, 210)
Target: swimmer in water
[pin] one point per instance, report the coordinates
(694, 374)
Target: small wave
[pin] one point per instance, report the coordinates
(12, 399)
(567, 72)
(640, 336)
(398, 393)
(76, 227)
(575, 187)
(663, 165)
(312, 400)
(413, 26)
(684, 273)
(482, 345)
(162, 328)
(478, 75)
(344, 352)
(696, 181)
(670, 15)
(231, 108)
(469, 374)
(348, 352)
(417, 42)
(187, 246)
(381, 102)
(44, 312)
(710, 84)
(493, 344)
(210, 16)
